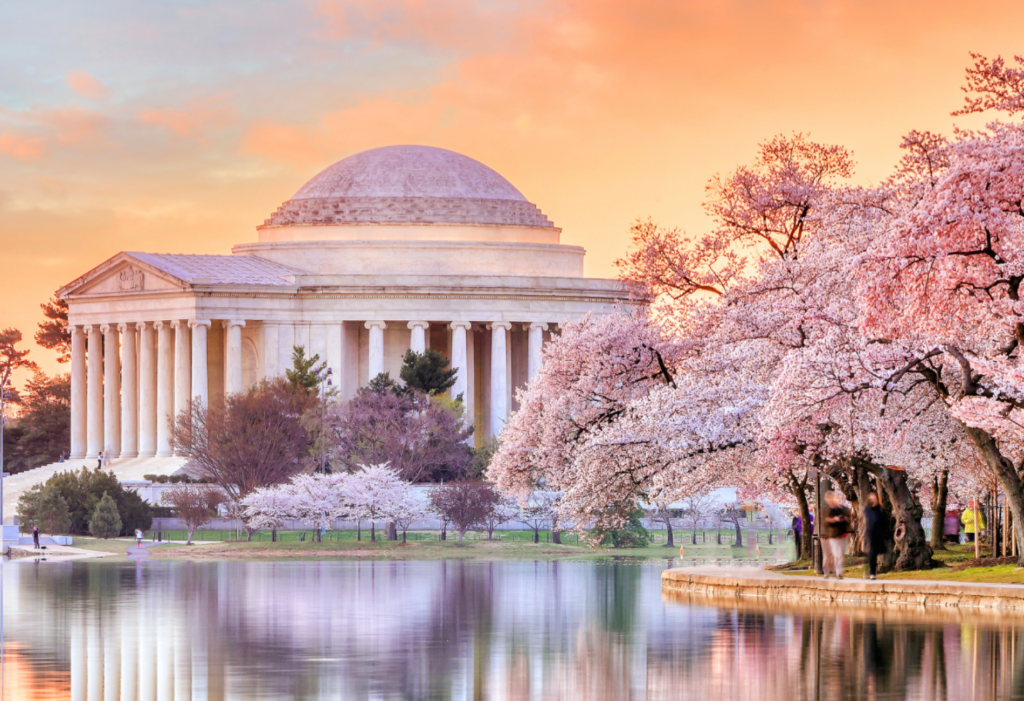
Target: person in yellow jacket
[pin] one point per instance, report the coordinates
(973, 520)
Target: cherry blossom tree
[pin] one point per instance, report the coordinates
(371, 493)
(320, 499)
(465, 504)
(269, 508)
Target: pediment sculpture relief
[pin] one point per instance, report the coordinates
(131, 280)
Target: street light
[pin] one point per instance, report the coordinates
(325, 382)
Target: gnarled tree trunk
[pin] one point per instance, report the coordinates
(913, 552)
(799, 490)
(940, 490)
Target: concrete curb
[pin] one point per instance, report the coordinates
(776, 587)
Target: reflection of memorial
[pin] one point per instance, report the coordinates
(458, 630)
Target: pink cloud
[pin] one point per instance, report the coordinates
(22, 148)
(195, 120)
(86, 85)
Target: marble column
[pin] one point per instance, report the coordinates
(233, 356)
(418, 335)
(285, 347)
(78, 393)
(271, 354)
(94, 388)
(460, 363)
(147, 390)
(164, 387)
(335, 353)
(182, 365)
(129, 392)
(111, 391)
(536, 344)
(317, 342)
(375, 356)
(200, 372)
(499, 375)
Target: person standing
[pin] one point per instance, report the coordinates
(35, 537)
(973, 520)
(99, 460)
(797, 528)
(834, 530)
(876, 532)
(138, 537)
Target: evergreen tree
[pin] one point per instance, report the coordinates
(304, 374)
(53, 331)
(105, 521)
(427, 372)
(80, 492)
(52, 514)
(631, 534)
(383, 384)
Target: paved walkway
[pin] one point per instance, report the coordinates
(754, 582)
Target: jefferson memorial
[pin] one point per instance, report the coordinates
(392, 248)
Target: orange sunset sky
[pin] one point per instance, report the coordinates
(179, 126)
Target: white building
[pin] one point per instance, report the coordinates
(393, 248)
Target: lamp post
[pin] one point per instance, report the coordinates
(325, 382)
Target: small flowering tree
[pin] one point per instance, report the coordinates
(269, 507)
(194, 504)
(371, 493)
(320, 499)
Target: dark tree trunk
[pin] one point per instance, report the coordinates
(1008, 479)
(403, 537)
(392, 531)
(940, 491)
(273, 535)
(739, 533)
(373, 531)
(806, 534)
(671, 538)
(536, 536)
(913, 552)
(359, 530)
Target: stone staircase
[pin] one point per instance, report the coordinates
(126, 470)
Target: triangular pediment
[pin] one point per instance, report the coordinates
(122, 274)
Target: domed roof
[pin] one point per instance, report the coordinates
(408, 185)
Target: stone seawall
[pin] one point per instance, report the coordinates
(735, 584)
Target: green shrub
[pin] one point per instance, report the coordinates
(81, 492)
(105, 521)
(174, 479)
(162, 479)
(632, 534)
(43, 506)
(149, 478)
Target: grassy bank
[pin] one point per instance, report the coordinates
(957, 565)
(429, 549)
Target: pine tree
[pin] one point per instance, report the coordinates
(427, 372)
(52, 514)
(305, 371)
(105, 521)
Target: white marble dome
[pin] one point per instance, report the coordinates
(408, 185)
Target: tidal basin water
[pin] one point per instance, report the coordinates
(467, 630)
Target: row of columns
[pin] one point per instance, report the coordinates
(460, 360)
(125, 397)
(126, 390)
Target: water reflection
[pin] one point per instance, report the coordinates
(454, 630)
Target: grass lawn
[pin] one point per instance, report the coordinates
(430, 548)
(952, 569)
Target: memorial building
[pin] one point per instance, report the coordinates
(392, 248)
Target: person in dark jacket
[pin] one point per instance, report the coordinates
(876, 532)
(834, 531)
(35, 537)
